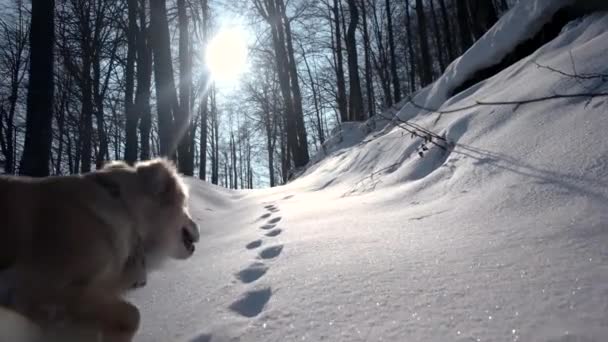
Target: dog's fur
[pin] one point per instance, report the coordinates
(76, 243)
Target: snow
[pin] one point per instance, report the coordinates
(519, 24)
(503, 238)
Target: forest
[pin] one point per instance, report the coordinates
(88, 81)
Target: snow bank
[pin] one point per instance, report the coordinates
(519, 24)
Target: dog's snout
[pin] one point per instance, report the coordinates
(194, 230)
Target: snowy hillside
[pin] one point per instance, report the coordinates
(503, 237)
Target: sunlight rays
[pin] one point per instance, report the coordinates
(226, 55)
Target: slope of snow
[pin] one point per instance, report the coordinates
(503, 238)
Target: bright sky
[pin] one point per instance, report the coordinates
(227, 55)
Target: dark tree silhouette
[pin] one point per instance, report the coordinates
(38, 137)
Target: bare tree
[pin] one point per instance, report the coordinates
(273, 13)
(446, 30)
(131, 113)
(339, 62)
(391, 45)
(355, 101)
(166, 94)
(369, 82)
(182, 116)
(412, 56)
(13, 61)
(426, 73)
(37, 147)
(144, 82)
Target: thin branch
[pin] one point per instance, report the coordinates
(603, 77)
(503, 103)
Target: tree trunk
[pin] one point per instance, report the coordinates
(426, 73)
(234, 164)
(446, 31)
(144, 83)
(339, 60)
(215, 140)
(99, 94)
(86, 115)
(204, 105)
(38, 131)
(61, 134)
(410, 47)
(381, 62)
(355, 103)
(483, 16)
(303, 156)
(315, 99)
(462, 12)
(8, 146)
(204, 114)
(285, 158)
(166, 94)
(270, 124)
(437, 36)
(131, 112)
(369, 82)
(391, 44)
(182, 119)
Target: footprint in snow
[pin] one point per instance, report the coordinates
(268, 226)
(272, 208)
(251, 303)
(202, 338)
(274, 232)
(275, 220)
(254, 244)
(271, 252)
(252, 272)
(288, 197)
(265, 216)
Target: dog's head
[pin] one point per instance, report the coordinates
(158, 198)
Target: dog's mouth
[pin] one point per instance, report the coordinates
(188, 239)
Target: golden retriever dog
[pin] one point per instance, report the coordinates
(75, 244)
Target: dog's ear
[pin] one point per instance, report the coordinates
(115, 165)
(159, 177)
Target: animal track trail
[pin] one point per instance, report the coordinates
(271, 252)
(251, 303)
(274, 232)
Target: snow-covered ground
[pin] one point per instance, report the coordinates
(502, 238)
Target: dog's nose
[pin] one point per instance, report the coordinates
(194, 231)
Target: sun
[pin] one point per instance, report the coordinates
(226, 55)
